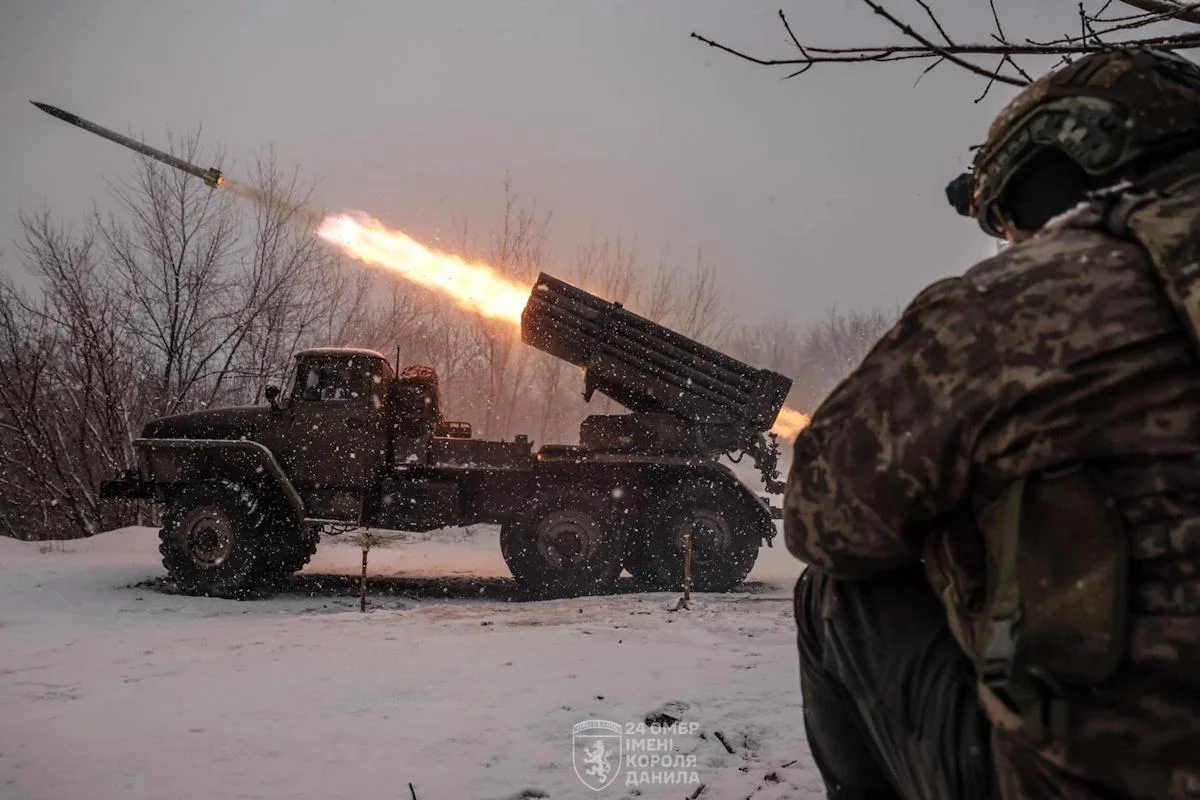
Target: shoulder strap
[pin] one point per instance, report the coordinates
(1169, 228)
(1166, 222)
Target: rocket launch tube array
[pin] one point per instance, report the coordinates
(645, 366)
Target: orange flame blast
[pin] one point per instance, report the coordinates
(475, 287)
(790, 422)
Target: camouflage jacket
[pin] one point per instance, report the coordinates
(1059, 350)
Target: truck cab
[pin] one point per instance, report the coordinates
(330, 429)
(363, 444)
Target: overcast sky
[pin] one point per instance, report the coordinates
(822, 190)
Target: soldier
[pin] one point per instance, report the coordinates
(1000, 508)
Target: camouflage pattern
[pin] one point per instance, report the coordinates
(1061, 350)
(1102, 111)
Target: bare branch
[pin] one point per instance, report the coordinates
(996, 18)
(927, 70)
(1093, 36)
(908, 31)
(1020, 71)
(933, 18)
(1185, 12)
(991, 81)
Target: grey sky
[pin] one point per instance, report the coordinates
(826, 189)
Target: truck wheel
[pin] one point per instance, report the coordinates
(210, 539)
(725, 539)
(285, 549)
(565, 544)
(298, 551)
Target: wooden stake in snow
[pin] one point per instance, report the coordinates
(366, 539)
(362, 584)
(687, 566)
(682, 602)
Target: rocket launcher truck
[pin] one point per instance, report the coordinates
(353, 442)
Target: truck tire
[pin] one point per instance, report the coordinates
(285, 549)
(210, 539)
(725, 539)
(564, 544)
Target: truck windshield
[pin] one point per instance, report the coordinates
(336, 379)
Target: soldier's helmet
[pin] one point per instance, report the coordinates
(1102, 112)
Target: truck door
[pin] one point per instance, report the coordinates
(335, 436)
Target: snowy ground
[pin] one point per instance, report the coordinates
(111, 687)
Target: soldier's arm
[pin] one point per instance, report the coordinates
(889, 451)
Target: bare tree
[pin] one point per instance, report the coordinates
(516, 250)
(176, 301)
(609, 268)
(775, 343)
(924, 39)
(292, 286)
(834, 346)
(218, 300)
(69, 385)
(817, 356)
(170, 252)
(701, 308)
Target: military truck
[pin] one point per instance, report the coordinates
(352, 442)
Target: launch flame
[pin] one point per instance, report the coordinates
(790, 422)
(475, 287)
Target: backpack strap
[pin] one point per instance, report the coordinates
(1018, 697)
(1168, 227)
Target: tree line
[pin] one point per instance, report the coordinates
(182, 298)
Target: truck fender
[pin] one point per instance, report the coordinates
(172, 461)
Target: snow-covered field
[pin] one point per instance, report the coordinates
(111, 687)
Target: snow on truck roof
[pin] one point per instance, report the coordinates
(340, 351)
